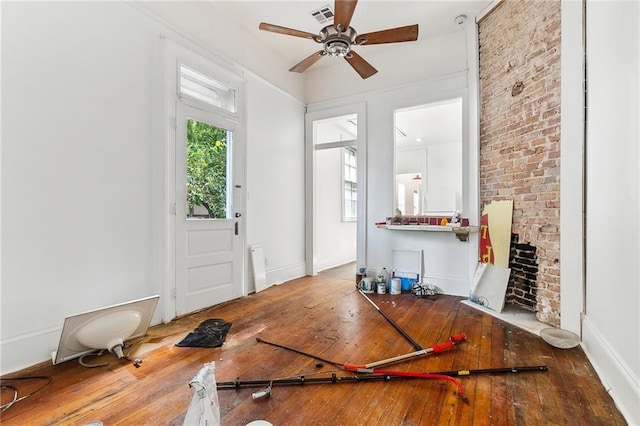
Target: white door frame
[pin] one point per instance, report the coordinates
(186, 110)
(198, 59)
(311, 176)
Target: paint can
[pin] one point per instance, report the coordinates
(382, 287)
(366, 285)
(396, 286)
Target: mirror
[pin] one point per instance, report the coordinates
(428, 158)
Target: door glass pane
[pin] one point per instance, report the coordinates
(208, 160)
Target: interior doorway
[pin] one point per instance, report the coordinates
(335, 206)
(345, 272)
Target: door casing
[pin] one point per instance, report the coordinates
(208, 252)
(177, 54)
(311, 176)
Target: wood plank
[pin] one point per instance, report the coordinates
(328, 317)
(483, 396)
(394, 405)
(466, 358)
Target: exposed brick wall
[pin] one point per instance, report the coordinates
(520, 132)
(524, 274)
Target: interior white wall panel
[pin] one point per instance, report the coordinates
(275, 180)
(611, 334)
(83, 167)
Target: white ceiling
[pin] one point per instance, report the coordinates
(232, 25)
(436, 18)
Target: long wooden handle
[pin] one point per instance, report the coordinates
(415, 344)
(398, 358)
(366, 368)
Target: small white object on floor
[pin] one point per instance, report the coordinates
(204, 409)
(556, 337)
(259, 423)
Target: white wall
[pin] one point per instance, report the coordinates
(78, 152)
(83, 167)
(200, 21)
(441, 56)
(449, 263)
(443, 71)
(571, 167)
(335, 239)
(275, 180)
(611, 328)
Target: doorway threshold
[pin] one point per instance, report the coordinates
(514, 315)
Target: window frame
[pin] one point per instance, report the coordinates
(352, 183)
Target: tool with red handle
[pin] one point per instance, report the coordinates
(366, 368)
(453, 340)
(381, 375)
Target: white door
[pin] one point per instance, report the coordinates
(209, 209)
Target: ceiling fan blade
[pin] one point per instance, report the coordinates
(393, 35)
(286, 31)
(304, 65)
(362, 67)
(343, 10)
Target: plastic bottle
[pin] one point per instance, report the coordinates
(362, 272)
(384, 276)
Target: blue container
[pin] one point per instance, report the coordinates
(406, 283)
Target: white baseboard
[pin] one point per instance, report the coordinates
(286, 273)
(451, 286)
(339, 259)
(615, 374)
(514, 315)
(28, 349)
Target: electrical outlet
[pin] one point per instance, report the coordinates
(266, 261)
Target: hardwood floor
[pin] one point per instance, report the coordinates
(328, 317)
(343, 272)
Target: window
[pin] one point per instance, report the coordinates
(208, 147)
(204, 89)
(350, 203)
(401, 197)
(208, 157)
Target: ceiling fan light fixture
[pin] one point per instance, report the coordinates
(337, 43)
(337, 48)
(338, 39)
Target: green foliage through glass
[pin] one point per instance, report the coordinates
(207, 148)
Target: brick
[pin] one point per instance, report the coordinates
(520, 135)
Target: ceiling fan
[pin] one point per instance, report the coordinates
(339, 38)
